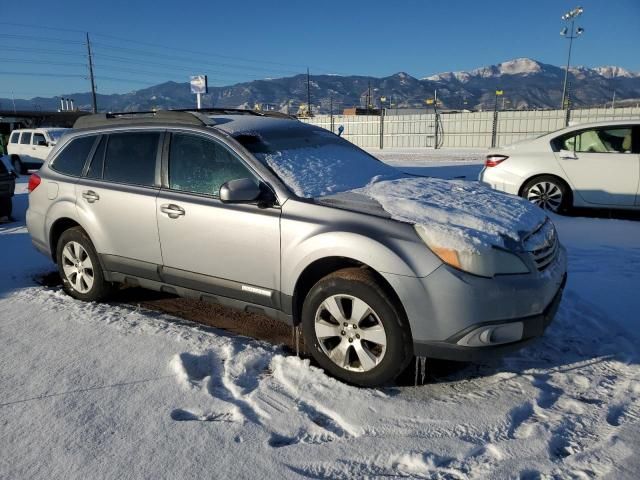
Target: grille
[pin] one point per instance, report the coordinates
(546, 254)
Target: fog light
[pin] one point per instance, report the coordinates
(493, 335)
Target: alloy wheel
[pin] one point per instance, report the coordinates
(350, 333)
(547, 195)
(77, 267)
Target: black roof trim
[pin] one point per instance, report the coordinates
(237, 111)
(184, 116)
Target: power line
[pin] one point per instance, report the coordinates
(41, 62)
(147, 53)
(46, 51)
(39, 39)
(208, 53)
(41, 74)
(41, 27)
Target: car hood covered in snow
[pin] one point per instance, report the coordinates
(457, 214)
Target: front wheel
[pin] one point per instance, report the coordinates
(548, 193)
(355, 331)
(79, 267)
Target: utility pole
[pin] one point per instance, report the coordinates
(331, 110)
(613, 101)
(310, 113)
(94, 102)
(494, 127)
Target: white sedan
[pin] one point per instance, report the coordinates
(589, 165)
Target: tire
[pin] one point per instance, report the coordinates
(17, 165)
(73, 249)
(380, 336)
(549, 193)
(6, 207)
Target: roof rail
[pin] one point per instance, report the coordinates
(184, 117)
(237, 111)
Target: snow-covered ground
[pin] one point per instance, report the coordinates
(114, 391)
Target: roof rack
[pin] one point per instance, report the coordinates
(236, 111)
(184, 117)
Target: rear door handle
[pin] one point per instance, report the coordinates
(172, 210)
(90, 196)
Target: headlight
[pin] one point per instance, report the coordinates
(488, 264)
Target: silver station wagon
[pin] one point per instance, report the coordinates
(267, 214)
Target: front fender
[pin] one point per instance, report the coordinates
(383, 244)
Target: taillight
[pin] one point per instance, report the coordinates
(34, 181)
(494, 160)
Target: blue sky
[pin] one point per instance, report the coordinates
(141, 43)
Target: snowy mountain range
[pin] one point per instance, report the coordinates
(526, 83)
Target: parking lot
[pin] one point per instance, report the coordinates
(86, 387)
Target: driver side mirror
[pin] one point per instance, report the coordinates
(242, 190)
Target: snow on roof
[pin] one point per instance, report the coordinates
(242, 123)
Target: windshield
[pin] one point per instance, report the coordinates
(314, 162)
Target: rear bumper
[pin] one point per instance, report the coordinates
(498, 178)
(532, 327)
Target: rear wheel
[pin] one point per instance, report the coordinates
(79, 267)
(355, 331)
(549, 193)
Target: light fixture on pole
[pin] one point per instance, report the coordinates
(570, 33)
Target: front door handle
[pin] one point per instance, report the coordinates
(90, 196)
(172, 210)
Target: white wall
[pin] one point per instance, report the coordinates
(463, 130)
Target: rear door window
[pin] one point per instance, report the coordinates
(131, 158)
(25, 138)
(600, 140)
(72, 158)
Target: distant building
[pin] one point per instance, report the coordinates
(361, 111)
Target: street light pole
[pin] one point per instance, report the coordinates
(571, 15)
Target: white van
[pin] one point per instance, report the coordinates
(29, 148)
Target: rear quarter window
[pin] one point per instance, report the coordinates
(72, 158)
(14, 137)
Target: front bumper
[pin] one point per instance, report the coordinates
(532, 327)
(459, 316)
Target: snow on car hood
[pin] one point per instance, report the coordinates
(458, 214)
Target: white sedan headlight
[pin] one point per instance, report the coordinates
(493, 262)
